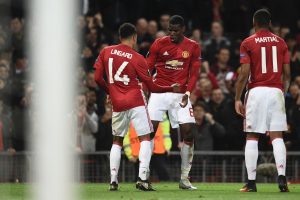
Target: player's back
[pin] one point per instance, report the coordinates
(120, 68)
(266, 53)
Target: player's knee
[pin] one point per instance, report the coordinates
(152, 135)
(144, 137)
(118, 140)
(188, 138)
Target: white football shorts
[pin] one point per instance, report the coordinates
(265, 110)
(138, 116)
(160, 103)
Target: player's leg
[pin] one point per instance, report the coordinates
(185, 119)
(120, 124)
(187, 154)
(277, 124)
(115, 159)
(255, 123)
(251, 155)
(143, 126)
(156, 108)
(279, 152)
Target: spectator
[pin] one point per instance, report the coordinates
(216, 41)
(206, 129)
(164, 23)
(205, 89)
(196, 36)
(221, 68)
(144, 39)
(222, 111)
(152, 29)
(87, 122)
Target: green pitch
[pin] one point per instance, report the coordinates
(219, 191)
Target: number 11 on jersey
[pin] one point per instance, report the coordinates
(264, 59)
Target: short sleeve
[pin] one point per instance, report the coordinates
(244, 54)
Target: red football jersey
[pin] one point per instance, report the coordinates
(175, 63)
(266, 53)
(122, 67)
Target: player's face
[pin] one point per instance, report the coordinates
(176, 33)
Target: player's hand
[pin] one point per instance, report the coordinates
(239, 108)
(184, 101)
(108, 100)
(176, 87)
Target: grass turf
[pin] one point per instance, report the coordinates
(220, 191)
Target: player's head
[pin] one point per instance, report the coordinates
(176, 28)
(127, 33)
(262, 19)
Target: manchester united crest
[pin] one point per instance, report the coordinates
(185, 54)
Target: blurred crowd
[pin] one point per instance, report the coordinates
(217, 126)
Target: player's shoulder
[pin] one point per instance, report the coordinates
(191, 42)
(163, 40)
(249, 39)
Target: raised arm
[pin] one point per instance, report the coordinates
(286, 77)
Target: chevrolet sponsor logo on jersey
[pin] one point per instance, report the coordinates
(174, 64)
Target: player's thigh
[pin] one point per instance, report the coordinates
(179, 115)
(157, 106)
(141, 121)
(256, 109)
(277, 114)
(120, 123)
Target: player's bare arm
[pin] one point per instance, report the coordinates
(240, 85)
(286, 77)
(194, 74)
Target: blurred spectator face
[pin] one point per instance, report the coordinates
(90, 80)
(21, 64)
(199, 112)
(223, 56)
(81, 22)
(87, 52)
(81, 103)
(152, 27)
(294, 90)
(196, 35)
(98, 19)
(3, 72)
(297, 80)
(141, 26)
(93, 36)
(160, 34)
(216, 29)
(284, 31)
(2, 42)
(205, 87)
(16, 25)
(291, 43)
(276, 29)
(217, 96)
(164, 22)
(91, 97)
(2, 84)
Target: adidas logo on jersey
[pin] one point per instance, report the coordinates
(165, 53)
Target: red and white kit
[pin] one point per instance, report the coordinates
(174, 63)
(265, 108)
(123, 68)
